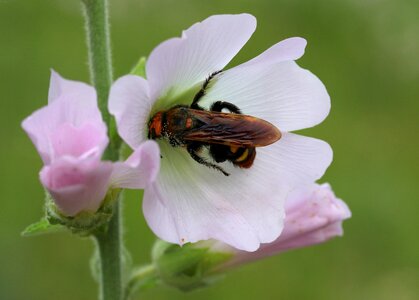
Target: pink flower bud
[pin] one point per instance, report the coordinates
(70, 136)
(77, 184)
(313, 215)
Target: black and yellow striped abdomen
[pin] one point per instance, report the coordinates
(242, 157)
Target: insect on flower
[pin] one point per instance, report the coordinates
(221, 120)
(229, 136)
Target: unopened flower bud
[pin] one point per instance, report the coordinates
(189, 266)
(313, 215)
(71, 137)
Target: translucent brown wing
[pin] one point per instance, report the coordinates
(230, 129)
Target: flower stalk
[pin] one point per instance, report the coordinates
(109, 242)
(100, 65)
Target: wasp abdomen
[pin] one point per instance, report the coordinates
(240, 156)
(246, 159)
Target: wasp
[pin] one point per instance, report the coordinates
(229, 136)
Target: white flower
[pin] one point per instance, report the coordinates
(189, 202)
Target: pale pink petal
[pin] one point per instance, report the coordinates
(313, 215)
(282, 93)
(130, 103)
(72, 108)
(140, 169)
(76, 184)
(76, 104)
(300, 159)
(59, 86)
(179, 64)
(289, 49)
(324, 232)
(77, 141)
(190, 202)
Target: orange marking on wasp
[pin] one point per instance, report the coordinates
(188, 124)
(234, 149)
(155, 125)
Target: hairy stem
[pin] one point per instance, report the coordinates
(108, 241)
(98, 42)
(109, 244)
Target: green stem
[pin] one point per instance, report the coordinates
(109, 244)
(109, 241)
(98, 42)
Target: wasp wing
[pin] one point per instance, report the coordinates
(230, 129)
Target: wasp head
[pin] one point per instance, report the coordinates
(155, 126)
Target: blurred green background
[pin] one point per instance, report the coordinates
(366, 53)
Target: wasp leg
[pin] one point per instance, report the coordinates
(201, 92)
(193, 149)
(220, 105)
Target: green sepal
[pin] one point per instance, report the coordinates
(187, 267)
(43, 226)
(84, 223)
(139, 68)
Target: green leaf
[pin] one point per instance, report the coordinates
(139, 68)
(42, 227)
(142, 278)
